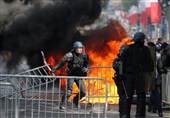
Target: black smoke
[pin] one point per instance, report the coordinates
(50, 28)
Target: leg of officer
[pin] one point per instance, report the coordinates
(121, 96)
(82, 92)
(141, 96)
(67, 93)
(129, 85)
(141, 104)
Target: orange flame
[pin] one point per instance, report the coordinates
(113, 37)
(51, 60)
(107, 73)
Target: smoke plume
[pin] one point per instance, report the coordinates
(29, 26)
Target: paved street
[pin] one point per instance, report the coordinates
(47, 110)
(114, 113)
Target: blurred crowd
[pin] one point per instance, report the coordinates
(161, 52)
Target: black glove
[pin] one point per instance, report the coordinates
(53, 70)
(85, 70)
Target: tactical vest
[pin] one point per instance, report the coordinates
(76, 63)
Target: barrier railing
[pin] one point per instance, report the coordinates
(35, 95)
(106, 72)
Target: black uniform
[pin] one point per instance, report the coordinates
(137, 61)
(78, 65)
(118, 78)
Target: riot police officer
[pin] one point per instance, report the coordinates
(137, 62)
(78, 65)
(118, 77)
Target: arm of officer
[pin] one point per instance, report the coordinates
(86, 67)
(66, 58)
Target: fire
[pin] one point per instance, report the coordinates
(99, 60)
(113, 37)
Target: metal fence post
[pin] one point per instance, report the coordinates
(106, 104)
(16, 105)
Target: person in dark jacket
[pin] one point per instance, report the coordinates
(166, 75)
(118, 77)
(137, 62)
(78, 65)
(155, 97)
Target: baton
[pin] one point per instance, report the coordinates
(45, 62)
(125, 90)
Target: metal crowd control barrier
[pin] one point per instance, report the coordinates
(106, 72)
(35, 94)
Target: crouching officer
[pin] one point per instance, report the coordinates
(118, 77)
(78, 65)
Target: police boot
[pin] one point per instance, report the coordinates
(62, 107)
(140, 112)
(62, 104)
(160, 114)
(76, 102)
(126, 108)
(121, 103)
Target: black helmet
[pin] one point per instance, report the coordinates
(139, 37)
(78, 44)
